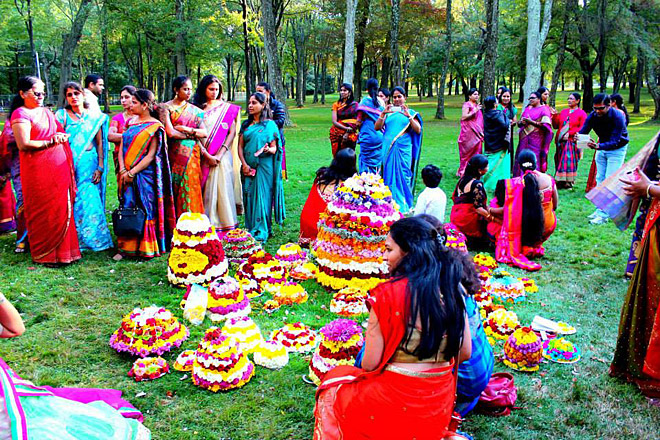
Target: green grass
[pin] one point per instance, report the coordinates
(71, 312)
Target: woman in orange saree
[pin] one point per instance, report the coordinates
(49, 185)
(145, 180)
(183, 126)
(405, 388)
(637, 353)
(343, 133)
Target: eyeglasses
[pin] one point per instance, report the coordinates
(600, 107)
(39, 94)
(72, 94)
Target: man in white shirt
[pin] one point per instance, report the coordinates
(94, 86)
(432, 200)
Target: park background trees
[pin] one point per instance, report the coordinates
(306, 48)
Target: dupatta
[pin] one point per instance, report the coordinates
(218, 121)
(400, 125)
(508, 248)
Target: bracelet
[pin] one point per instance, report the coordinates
(648, 188)
(131, 175)
(226, 147)
(99, 168)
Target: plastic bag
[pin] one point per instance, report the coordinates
(196, 302)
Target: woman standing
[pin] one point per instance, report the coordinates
(535, 132)
(472, 130)
(370, 139)
(343, 133)
(417, 333)
(221, 166)
(327, 180)
(183, 126)
(145, 181)
(47, 176)
(511, 112)
(89, 144)
(567, 156)
(544, 95)
(470, 210)
(402, 142)
(119, 122)
(261, 159)
(637, 353)
(496, 146)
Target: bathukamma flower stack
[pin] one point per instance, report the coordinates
(226, 300)
(296, 337)
(340, 342)
(197, 256)
(239, 245)
(150, 331)
(352, 231)
(523, 351)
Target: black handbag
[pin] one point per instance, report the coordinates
(129, 221)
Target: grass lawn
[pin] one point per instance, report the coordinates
(71, 312)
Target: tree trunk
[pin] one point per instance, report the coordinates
(490, 52)
(652, 72)
(363, 11)
(246, 54)
(324, 74)
(69, 44)
(588, 90)
(561, 54)
(385, 72)
(394, 43)
(298, 28)
(228, 62)
(180, 38)
(349, 41)
(536, 35)
(104, 44)
(602, 29)
(24, 8)
(316, 79)
(640, 79)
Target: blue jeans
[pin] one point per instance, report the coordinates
(608, 161)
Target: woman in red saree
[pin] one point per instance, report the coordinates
(49, 185)
(637, 353)
(326, 181)
(535, 132)
(567, 156)
(343, 133)
(470, 210)
(144, 173)
(471, 137)
(417, 332)
(530, 199)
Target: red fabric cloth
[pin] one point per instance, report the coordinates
(466, 219)
(309, 217)
(355, 404)
(7, 204)
(48, 191)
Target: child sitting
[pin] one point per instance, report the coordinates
(432, 200)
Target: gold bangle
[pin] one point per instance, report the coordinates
(648, 189)
(131, 175)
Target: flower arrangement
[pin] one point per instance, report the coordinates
(226, 300)
(239, 245)
(271, 305)
(291, 254)
(245, 331)
(220, 364)
(197, 256)
(349, 301)
(296, 337)
(185, 360)
(530, 285)
(455, 238)
(305, 271)
(289, 293)
(523, 351)
(271, 354)
(249, 287)
(149, 331)
(352, 231)
(149, 368)
(341, 341)
(505, 288)
(484, 260)
(261, 266)
(561, 351)
(501, 323)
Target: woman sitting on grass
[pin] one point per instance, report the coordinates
(327, 180)
(417, 332)
(470, 210)
(45, 413)
(529, 200)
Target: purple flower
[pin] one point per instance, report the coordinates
(341, 330)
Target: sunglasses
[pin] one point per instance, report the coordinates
(72, 94)
(599, 107)
(39, 94)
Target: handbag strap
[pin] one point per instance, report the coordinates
(136, 195)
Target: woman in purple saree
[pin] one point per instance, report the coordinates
(535, 132)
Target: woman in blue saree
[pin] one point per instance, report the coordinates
(261, 159)
(370, 139)
(402, 142)
(89, 144)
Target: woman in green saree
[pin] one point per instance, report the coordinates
(261, 158)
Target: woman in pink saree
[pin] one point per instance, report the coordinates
(471, 136)
(535, 132)
(221, 177)
(49, 185)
